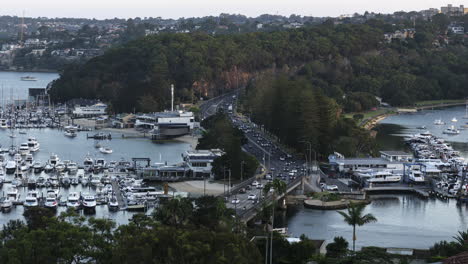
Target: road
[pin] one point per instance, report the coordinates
(278, 163)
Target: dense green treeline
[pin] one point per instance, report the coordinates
(297, 112)
(347, 62)
(220, 133)
(201, 64)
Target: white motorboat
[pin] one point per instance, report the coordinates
(88, 162)
(10, 167)
(48, 168)
(31, 199)
(13, 194)
(7, 205)
(18, 159)
(29, 159)
(105, 150)
(95, 180)
(29, 78)
(416, 176)
(73, 200)
(70, 133)
(3, 124)
(51, 201)
(451, 131)
(12, 151)
(60, 167)
(33, 144)
(37, 167)
(89, 201)
(55, 192)
(113, 203)
(24, 149)
(72, 168)
(53, 160)
(384, 177)
(454, 119)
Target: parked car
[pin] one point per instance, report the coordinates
(242, 190)
(252, 197)
(332, 188)
(235, 201)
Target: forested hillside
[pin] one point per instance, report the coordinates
(139, 73)
(349, 63)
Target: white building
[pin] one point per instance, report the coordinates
(457, 30)
(392, 155)
(88, 111)
(200, 161)
(150, 121)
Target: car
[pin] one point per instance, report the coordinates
(282, 158)
(332, 188)
(242, 190)
(235, 201)
(254, 183)
(259, 186)
(248, 187)
(268, 176)
(251, 197)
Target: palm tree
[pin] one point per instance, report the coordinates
(462, 239)
(354, 217)
(279, 187)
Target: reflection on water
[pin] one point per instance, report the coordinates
(408, 222)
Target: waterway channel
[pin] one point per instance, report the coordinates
(403, 220)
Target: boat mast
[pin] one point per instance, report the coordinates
(172, 98)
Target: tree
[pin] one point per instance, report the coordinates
(354, 217)
(338, 248)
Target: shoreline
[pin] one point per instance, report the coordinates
(32, 71)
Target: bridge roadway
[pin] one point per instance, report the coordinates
(277, 162)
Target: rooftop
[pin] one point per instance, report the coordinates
(358, 161)
(395, 153)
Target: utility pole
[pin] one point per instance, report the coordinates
(242, 171)
(229, 187)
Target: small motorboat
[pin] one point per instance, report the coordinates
(454, 119)
(113, 203)
(73, 200)
(105, 150)
(51, 201)
(70, 133)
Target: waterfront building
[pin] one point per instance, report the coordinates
(200, 161)
(168, 124)
(97, 109)
(392, 155)
(353, 164)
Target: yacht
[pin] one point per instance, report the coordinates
(24, 149)
(66, 181)
(60, 167)
(88, 162)
(454, 119)
(29, 78)
(7, 205)
(55, 192)
(12, 151)
(53, 160)
(33, 144)
(416, 176)
(95, 180)
(51, 201)
(48, 168)
(29, 159)
(72, 168)
(113, 204)
(3, 124)
(37, 167)
(17, 158)
(73, 200)
(10, 167)
(89, 201)
(451, 131)
(31, 199)
(40, 182)
(105, 150)
(383, 177)
(70, 133)
(13, 194)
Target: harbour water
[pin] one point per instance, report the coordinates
(53, 141)
(14, 88)
(403, 220)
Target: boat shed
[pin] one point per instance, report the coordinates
(352, 164)
(393, 155)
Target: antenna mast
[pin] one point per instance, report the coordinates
(172, 98)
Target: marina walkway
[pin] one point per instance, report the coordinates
(118, 195)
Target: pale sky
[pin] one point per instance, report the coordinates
(195, 8)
